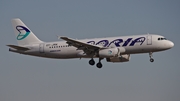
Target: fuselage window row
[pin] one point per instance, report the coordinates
(59, 46)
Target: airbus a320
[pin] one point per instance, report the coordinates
(113, 49)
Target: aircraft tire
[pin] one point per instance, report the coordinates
(91, 62)
(151, 60)
(99, 65)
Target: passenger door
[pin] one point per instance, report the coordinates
(149, 40)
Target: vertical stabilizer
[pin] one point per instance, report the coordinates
(24, 35)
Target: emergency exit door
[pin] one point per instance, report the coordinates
(41, 48)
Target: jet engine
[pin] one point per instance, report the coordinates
(121, 58)
(110, 52)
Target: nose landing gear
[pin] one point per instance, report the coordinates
(151, 60)
(150, 55)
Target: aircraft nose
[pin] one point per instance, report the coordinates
(170, 44)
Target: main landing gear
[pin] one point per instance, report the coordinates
(99, 64)
(150, 55)
(91, 62)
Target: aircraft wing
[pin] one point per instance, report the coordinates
(87, 48)
(18, 47)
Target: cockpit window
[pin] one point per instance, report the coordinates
(162, 39)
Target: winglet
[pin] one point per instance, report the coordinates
(58, 36)
(64, 38)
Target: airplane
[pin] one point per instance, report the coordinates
(113, 49)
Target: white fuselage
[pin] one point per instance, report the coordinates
(129, 44)
(113, 49)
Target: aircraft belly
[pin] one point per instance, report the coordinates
(62, 53)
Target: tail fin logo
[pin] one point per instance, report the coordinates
(23, 32)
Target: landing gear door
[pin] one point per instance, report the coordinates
(41, 48)
(149, 40)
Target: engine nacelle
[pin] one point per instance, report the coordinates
(122, 58)
(110, 52)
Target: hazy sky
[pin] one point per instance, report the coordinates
(27, 78)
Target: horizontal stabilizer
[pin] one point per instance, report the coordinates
(19, 47)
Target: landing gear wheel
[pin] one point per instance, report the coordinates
(151, 60)
(150, 55)
(99, 65)
(91, 62)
